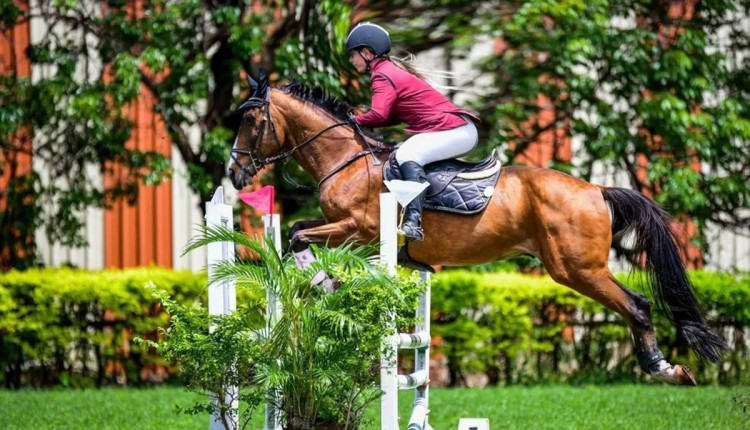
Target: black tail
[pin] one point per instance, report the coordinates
(667, 278)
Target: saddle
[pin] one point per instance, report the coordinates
(456, 186)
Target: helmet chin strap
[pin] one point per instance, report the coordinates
(367, 62)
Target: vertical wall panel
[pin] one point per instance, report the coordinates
(112, 221)
(186, 217)
(163, 198)
(141, 234)
(128, 228)
(144, 137)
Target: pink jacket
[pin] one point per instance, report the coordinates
(398, 96)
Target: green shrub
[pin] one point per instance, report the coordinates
(73, 327)
(518, 329)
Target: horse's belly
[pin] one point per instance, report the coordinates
(455, 240)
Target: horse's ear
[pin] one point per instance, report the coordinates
(262, 90)
(253, 83)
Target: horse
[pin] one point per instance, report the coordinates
(562, 220)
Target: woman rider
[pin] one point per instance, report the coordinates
(401, 95)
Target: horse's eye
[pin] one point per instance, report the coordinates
(250, 120)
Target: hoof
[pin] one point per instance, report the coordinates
(684, 376)
(326, 282)
(677, 375)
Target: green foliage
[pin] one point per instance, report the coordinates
(631, 81)
(320, 353)
(506, 325)
(517, 328)
(73, 328)
(509, 326)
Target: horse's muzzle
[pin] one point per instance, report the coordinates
(240, 177)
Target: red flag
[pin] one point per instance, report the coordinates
(261, 200)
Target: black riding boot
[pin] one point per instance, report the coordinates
(412, 226)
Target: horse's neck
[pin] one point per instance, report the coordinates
(325, 152)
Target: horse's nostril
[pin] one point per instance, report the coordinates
(230, 172)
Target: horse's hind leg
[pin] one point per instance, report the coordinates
(601, 286)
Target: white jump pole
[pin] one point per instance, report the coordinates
(272, 229)
(418, 420)
(389, 361)
(390, 380)
(222, 299)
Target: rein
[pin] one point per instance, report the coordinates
(352, 159)
(258, 162)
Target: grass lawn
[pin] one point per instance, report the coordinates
(554, 407)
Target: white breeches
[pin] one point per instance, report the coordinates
(425, 148)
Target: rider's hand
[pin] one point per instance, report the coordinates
(352, 115)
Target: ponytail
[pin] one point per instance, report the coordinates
(428, 75)
(407, 63)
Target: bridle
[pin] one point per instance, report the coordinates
(258, 162)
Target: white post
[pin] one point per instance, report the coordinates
(420, 409)
(222, 298)
(272, 229)
(389, 362)
(390, 380)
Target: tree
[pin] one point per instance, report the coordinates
(189, 55)
(650, 87)
(657, 89)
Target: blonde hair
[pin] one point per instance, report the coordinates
(428, 74)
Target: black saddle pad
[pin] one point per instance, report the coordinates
(449, 192)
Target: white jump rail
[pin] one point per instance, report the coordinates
(222, 301)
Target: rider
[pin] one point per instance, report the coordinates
(401, 95)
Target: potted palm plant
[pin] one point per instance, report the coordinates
(322, 352)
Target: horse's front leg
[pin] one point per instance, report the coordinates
(332, 234)
(295, 245)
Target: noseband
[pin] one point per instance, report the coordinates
(258, 162)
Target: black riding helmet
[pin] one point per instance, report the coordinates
(369, 35)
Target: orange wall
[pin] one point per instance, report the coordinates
(552, 144)
(13, 60)
(15, 160)
(141, 234)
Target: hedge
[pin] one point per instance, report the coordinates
(74, 328)
(516, 328)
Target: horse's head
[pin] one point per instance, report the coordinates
(256, 142)
(299, 123)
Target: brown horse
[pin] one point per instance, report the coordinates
(562, 220)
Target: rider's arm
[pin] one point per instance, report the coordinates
(383, 100)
